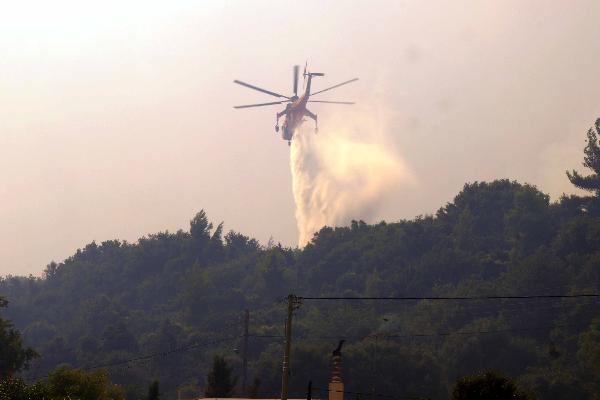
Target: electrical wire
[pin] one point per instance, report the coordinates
(387, 336)
(417, 335)
(149, 356)
(523, 297)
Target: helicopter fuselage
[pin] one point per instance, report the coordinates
(295, 112)
(294, 115)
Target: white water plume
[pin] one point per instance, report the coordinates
(342, 174)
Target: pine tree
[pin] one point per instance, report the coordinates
(219, 382)
(592, 161)
(153, 391)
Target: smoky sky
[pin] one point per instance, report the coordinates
(116, 120)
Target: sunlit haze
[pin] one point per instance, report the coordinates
(116, 118)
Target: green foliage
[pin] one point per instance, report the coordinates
(555, 382)
(254, 388)
(591, 161)
(13, 356)
(179, 297)
(63, 383)
(153, 391)
(219, 381)
(488, 386)
(66, 382)
(16, 389)
(393, 368)
(588, 356)
(200, 227)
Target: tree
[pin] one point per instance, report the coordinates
(66, 382)
(237, 244)
(16, 389)
(13, 356)
(153, 391)
(489, 385)
(495, 238)
(588, 356)
(591, 160)
(200, 227)
(219, 382)
(254, 388)
(527, 224)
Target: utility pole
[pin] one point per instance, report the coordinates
(245, 352)
(293, 304)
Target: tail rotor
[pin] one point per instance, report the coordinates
(304, 75)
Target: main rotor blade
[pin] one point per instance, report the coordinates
(296, 72)
(333, 87)
(259, 89)
(262, 104)
(331, 102)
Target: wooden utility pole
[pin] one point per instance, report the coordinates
(245, 352)
(293, 304)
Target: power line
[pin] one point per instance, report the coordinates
(266, 336)
(160, 354)
(548, 296)
(489, 309)
(416, 335)
(541, 328)
(149, 356)
(217, 341)
(163, 353)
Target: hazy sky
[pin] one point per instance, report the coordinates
(116, 117)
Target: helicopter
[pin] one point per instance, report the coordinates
(295, 107)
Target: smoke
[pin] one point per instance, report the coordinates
(345, 172)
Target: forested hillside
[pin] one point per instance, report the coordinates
(163, 307)
(179, 298)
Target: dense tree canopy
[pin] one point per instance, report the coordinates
(153, 391)
(17, 389)
(63, 383)
(164, 306)
(180, 296)
(13, 355)
(488, 386)
(219, 381)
